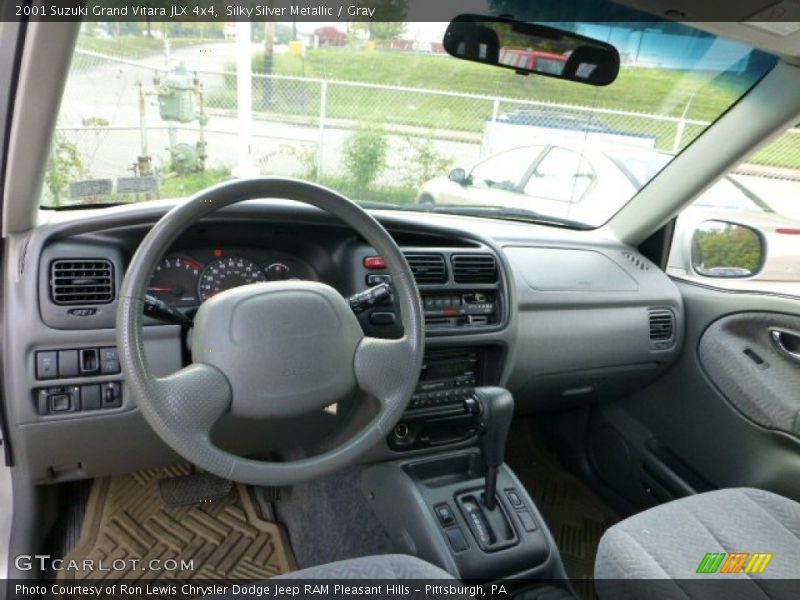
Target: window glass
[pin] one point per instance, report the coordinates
(743, 233)
(505, 170)
(561, 175)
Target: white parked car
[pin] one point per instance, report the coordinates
(576, 181)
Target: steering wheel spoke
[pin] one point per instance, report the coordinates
(194, 398)
(386, 369)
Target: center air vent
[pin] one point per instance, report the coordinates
(82, 281)
(662, 326)
(474, 268)
(427, 268)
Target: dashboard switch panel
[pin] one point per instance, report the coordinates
(81, 362)
(78, 398)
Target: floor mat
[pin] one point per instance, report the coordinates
(127, 522)
(576, 516)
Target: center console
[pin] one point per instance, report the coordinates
(432, 507)
(437, 415)
(466, 511)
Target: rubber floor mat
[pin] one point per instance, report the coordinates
(136, 536)
(576, 516)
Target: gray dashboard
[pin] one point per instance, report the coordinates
(575, 318)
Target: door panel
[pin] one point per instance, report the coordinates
(705, 412)
(759, 377)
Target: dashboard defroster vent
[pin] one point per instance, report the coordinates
(82, 281)
(662, 325)
(474, 268)
(427, 268)
(637, 262)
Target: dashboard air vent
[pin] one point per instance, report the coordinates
(427, 268)
(474, 268)
(638, 262)
(662, 325)
(82, 281)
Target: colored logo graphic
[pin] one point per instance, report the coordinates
(737, 562)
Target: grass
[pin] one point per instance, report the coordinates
(132, 46)
(640, 90)
(385, 193)
(186, 185)
(661, 91)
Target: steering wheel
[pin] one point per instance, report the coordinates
(270, 350)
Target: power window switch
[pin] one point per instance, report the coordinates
(445, 515)
(526, 520)
(513, 498)
(457, 541)
(47, 364)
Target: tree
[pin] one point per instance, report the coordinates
(364, 155)
(390, 18)
(65, 165)
(423, 161)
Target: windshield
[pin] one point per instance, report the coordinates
(381, 114)
(726, 193)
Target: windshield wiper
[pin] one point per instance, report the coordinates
(85, 206)
(383, 205)
(503, 212)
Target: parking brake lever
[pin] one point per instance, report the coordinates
(493, 408)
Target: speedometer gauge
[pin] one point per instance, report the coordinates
(227, 273)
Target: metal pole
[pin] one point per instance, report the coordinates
(244, 95)
(323, 107)
(495, 109)
(681, 127)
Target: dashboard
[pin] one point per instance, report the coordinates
(534, 309)
(189, 278)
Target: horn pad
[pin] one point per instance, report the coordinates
(287, 348)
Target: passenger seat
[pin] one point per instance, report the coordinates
(738, 533)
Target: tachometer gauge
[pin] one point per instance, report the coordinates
(278, 271)
(174, 281)
(226, 273)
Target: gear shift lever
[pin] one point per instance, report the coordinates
(493, 409)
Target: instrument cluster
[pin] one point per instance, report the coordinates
(189, 278)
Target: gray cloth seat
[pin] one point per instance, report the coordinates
(383, 566)
(670, 541)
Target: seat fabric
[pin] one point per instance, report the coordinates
(669, 542)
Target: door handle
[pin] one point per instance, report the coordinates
(787, 343)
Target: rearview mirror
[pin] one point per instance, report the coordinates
(727, 250)
(529, 48)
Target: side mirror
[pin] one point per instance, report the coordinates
(727, 250)
(458, 175)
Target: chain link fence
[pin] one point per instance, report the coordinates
(109, 122)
